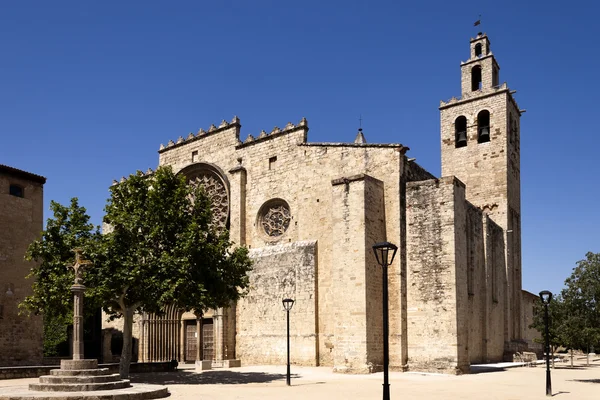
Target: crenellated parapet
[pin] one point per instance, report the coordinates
(138, 173)
(223, 126)
(475, 94)
(276, 132)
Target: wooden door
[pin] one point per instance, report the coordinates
(191, 341)
(207, 339)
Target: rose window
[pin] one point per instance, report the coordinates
(275, 218)
(217, 194)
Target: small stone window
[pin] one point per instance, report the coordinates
(272, 162)
(460, 132)
(274, 218)
(478, 51)
(195, 156)
(476, 78)
(483, 126)
(16, 190)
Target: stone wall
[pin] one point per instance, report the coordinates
(531, 335)
(283, 165)
(21, 220)
(437, 273)
(359, 222)
(280, 271)
(476, 285)
(497, 316)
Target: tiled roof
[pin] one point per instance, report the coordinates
(22, 174)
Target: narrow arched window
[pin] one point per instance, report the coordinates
(478, 50)
(460, 132)
(483, 126)
(476, 78)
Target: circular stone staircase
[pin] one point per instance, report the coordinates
(82, 379)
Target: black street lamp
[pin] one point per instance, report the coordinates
(384, 253)
(287, 305)
(546, 297)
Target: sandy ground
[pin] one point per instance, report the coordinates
(316, 383)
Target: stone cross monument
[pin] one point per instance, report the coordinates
(78, 290)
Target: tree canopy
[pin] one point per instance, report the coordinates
(574, 314)
(159, 248)
(68, 228)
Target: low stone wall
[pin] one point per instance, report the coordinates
(39, 370)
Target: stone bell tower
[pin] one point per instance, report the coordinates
(480, 145)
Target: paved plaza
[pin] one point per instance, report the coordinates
(316, 383)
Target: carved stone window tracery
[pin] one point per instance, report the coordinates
(275, 218)
(216, 190)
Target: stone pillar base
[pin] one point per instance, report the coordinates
(78, 364)
(232, 363)
(203, 365)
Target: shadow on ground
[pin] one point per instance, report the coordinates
(587, 380)
(207, 378)
(480, 369)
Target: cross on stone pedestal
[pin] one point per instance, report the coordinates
(78, 289)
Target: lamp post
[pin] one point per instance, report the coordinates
(384, 253)
(546, 297)
(287, 305)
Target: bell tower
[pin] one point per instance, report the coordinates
(480, 146)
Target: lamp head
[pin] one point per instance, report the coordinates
(385, 253)
(546, 296)
(288, 304)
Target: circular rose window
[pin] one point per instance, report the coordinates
(274, 218)
(215, 187)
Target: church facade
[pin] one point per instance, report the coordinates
(310, 213)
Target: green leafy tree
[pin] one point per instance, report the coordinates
(582, 301)
(162, 249)
(68, 228)
(159, 248)
(555, 320)
(575, 312)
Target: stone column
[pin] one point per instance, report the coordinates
(78, 290)
(218, 334)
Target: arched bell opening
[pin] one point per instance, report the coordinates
(483, 126)
(476, 78)
(460, 132)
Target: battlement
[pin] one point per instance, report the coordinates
(475, 94)
(235, 123)
(138, 173)
(224, 125)
(275, 132)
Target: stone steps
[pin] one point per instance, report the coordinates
(136, 392)
(73, 372)
(80, 379)
(79, 387)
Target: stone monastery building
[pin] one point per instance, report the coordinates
(310, 213)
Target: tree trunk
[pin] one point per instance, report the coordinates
(571, 358)
(127, 342)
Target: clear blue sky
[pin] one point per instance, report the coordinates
(89, 90)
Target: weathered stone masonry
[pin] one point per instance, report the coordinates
(21, 219)
(310, 213)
